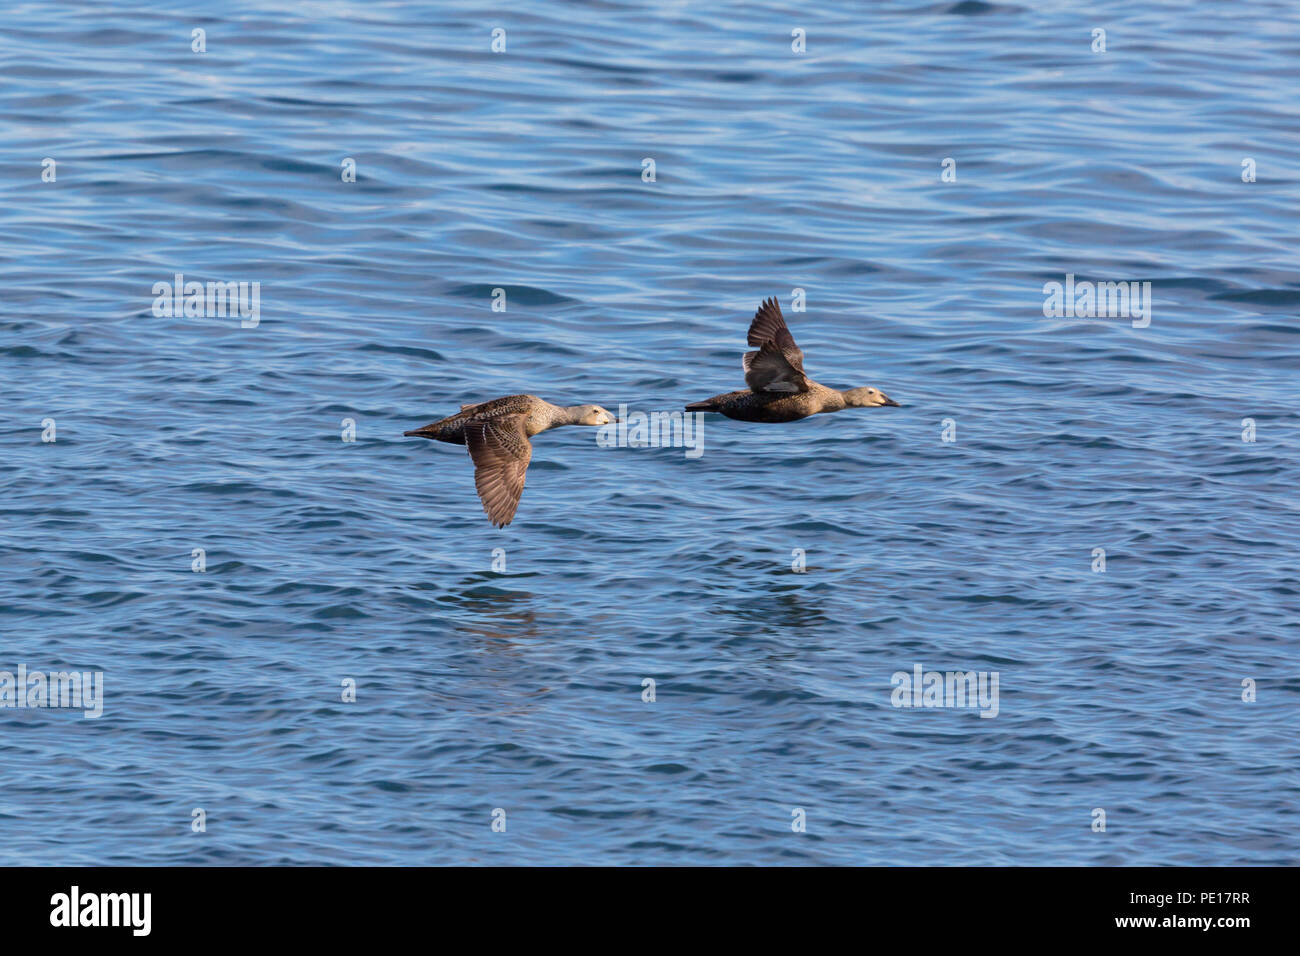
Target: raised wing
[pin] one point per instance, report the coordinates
(777, 366)
(501, 451)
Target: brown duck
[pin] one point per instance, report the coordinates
(779, 391)
(496, 433)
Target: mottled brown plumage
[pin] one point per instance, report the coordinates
(779, 390)
(497, 434)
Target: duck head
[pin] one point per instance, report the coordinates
(591, 415)
(867, 398)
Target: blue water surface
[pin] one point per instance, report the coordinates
(519, 687)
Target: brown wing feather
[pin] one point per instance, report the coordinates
(769, 326)
(501, 451)
(770, 372)
(777, 366)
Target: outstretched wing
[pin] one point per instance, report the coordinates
(501, 451)
(777, 366)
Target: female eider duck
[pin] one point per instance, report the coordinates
(496, 433)
(779, 391)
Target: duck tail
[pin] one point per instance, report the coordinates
(434, 431)
(708, 405)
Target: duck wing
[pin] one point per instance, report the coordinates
(777, 366)
(500, 449)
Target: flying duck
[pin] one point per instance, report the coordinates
(779, 390)
(496, 433)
